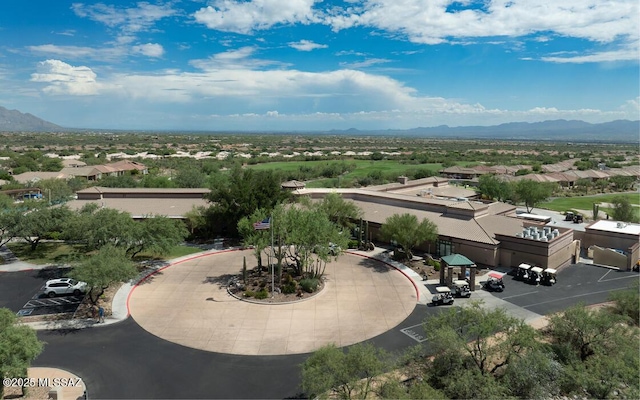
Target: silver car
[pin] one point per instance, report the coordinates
(63, 286)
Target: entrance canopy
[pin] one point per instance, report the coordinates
(458, 260)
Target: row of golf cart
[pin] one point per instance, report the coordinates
(445, 295)
(536, 275)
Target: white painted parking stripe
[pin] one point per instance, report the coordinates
(572, 297)
(518, 295)
(418, 337)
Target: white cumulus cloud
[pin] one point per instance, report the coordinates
(62, 78)
(246, 17)
(307, 45)
(150, 50)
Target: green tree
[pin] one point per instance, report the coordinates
(258, 239)
(622, 183)
(8, 221)
(106, 267)
(622, 209)
(494, 188)
(97, 227)
(239, 194)
(55, 190)
(306, 235)
(405, 230)
(51, 164)
(156, 235)
(19, 346)
(341, 212)
(190, 178)
(330, 372)
(532, 193)
(599, 350)
(195, 219)
(39, 223)
(585, 184)
(627, 302)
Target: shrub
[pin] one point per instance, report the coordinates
(353, 244)
(289, 288)
(249, 293)
(436, 265)
(263, 294)
(309, 285)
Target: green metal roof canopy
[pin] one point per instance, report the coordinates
(457, 260)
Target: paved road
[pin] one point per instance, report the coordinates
(577, 283)
(124, 361)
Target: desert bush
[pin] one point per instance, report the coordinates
(289, 288)
(309, 285)
(263, 294)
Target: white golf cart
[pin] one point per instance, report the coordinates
(549, 276)
(460, 288)
(522, 273)
(535, 275)
(443, 296)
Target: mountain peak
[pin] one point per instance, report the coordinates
(15, 121)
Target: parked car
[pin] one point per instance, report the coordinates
(461, 288)
(63, 286)
(443, 296)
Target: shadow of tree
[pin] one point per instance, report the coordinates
(222, 281)
(52, 272)
(376, 265)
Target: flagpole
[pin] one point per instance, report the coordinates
(273, 288)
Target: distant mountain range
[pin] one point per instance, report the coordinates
(15, 121)
(573, 130)
(563, 130)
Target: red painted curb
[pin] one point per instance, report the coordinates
(392, 266)
(171, 265)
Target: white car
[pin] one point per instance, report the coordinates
(63, 286)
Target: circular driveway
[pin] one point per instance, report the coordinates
(187, 303)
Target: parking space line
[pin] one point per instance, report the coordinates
(414, 335)
(518, 295)
(615, 279)
(572, 297)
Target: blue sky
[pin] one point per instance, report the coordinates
(318, 65)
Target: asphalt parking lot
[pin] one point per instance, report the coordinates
(20, 292)
(577, 283)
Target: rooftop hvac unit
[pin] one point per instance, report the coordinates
(519, 234)
(544, 239)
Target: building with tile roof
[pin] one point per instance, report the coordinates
(143, 202)
(489, 233)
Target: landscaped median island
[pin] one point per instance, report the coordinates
(254, 285)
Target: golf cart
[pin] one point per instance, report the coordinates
(461, 288)
(535, 274)
(494, 283)
(549, 276)
(443, 296)
(522, 273)
(568, 216)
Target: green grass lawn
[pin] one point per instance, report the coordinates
(62, 253)
(363, 168)
(586, 202)
(47, 252)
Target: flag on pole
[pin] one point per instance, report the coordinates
(262, 225)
